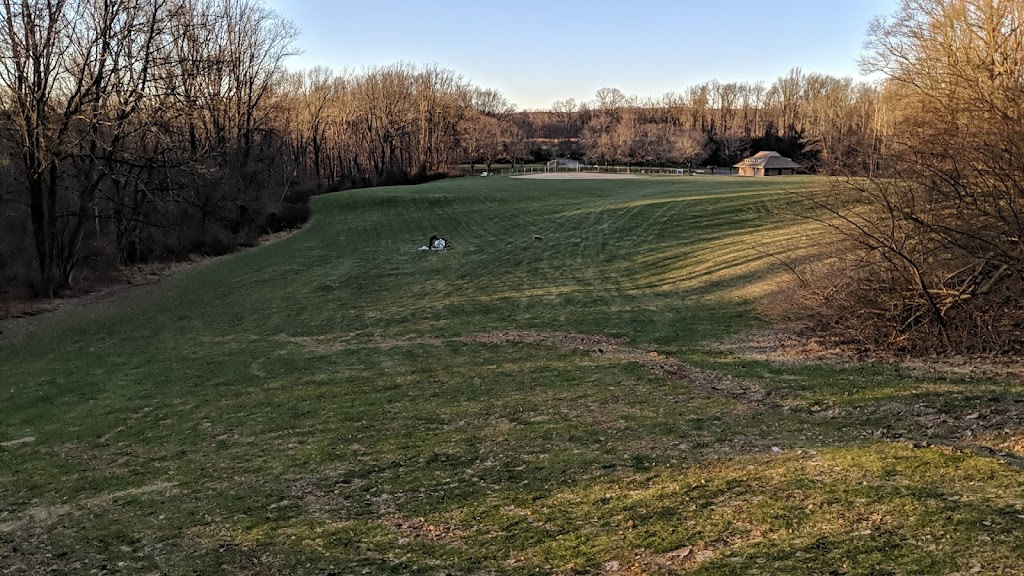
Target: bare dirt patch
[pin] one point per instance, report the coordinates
(18, 442)
(104, 499)
(796, 344)
(677, 561)
(418, 529)
(682, 559)
(977, 424)
(787, 344)
(708, 381)
(36, 515)
(337, 342)
(565, 340)
(962, 426)
(39, 517)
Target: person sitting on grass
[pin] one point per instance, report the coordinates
(437, 243)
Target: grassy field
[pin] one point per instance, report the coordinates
(341, 403)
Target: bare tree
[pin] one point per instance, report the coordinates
(77, 73)
(937, 256)
(567, 116)
(149, 114)
(490, 102)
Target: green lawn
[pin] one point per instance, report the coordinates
(339, 402)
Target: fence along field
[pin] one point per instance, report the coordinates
(581, 168)
(339, 402)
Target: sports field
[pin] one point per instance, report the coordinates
(550, 396)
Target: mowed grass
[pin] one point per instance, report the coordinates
(326, 404)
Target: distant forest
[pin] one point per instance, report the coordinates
(141, 130)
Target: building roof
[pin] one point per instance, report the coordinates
(767, 159)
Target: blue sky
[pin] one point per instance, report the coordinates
(538, 52)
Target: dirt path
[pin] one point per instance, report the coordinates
(789, 344)
(25, 316)
(978, 426)
(20, 318)
(708, 381)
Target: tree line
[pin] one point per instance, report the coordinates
(405, 123)
(825, 122)
(135, 129)
(139, 130)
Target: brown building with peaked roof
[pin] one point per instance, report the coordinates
(767, 163)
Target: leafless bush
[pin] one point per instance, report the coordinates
(915, 298)
(934, 242)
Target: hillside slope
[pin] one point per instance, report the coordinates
(341, 402)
